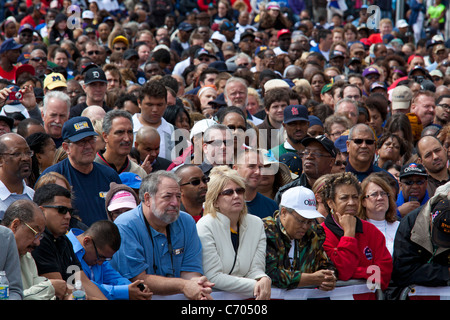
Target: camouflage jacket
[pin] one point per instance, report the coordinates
(309, 255)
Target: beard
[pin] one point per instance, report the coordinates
(164, 215)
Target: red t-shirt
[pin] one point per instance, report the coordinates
(11, 75)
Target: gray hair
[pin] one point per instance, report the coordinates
(150, 184)
(111, 115)
(336, 106)
(231, 80)
(56, 95)
(23, 210)
(360, 126)
(218, 126)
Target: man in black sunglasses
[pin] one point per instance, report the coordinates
(193, 186)
(55, 258)
(361, 150)
(413, 188)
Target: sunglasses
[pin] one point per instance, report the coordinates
(196, 182)
(369, 142)
(340, 163)
(410, 183)
(37, 59)
(218, 143)
(61, 209)
(229, 192)
(96, 52)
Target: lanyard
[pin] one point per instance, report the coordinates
(169, 242)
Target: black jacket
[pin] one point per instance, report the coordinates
(416, 260)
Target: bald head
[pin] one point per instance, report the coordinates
(147, 143)
(94, 113)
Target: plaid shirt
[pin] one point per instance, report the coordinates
(309, 255)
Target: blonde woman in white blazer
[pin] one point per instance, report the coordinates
(239, 271)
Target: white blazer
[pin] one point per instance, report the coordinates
(219, 254)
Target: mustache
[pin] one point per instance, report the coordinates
(54, 124)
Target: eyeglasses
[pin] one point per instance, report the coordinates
(61, 209)
(218, 143)
(99, 256)
(196, 181)
(411, 182)
(38, 59)
(270, 56)
(307, 153)
(340, 163)
(375, 195)
(306, 223)
(230, 192)
(96, 52)
(37, 235)
(369, 142)
(337, 134)
(120, 48)
(83, 142)
(27, 154)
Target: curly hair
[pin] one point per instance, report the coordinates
(335, 181)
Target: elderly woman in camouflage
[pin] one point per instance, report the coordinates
(295, 255)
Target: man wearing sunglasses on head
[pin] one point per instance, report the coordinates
(361, 150)
(55, 257)
(413, 188)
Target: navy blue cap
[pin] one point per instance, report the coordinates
(78, 128)
(185, 26)
(295, 113)
(10, 44)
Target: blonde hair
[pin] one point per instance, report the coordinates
(219, 177)
(52, 177)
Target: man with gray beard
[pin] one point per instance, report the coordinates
(56, 112)
(160, 244)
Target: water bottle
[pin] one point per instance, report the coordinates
(4, 286)
(78, 293)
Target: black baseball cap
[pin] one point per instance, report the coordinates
(295, 113)
(324, 141)
(413, 169)
(94, 74)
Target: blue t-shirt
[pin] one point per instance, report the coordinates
(139, 253)
(89, 189)
(262, 206)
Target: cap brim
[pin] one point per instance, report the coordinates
(296, 119)
(120, 205)
(82, 135)
(309, 214)
(400, 105)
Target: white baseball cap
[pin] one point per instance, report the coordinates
(302, 200)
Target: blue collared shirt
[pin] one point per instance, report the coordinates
(141, 253)
(108, 280)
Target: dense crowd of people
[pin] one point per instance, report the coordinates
(194, 147)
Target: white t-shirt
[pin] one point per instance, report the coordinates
(388, 230)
